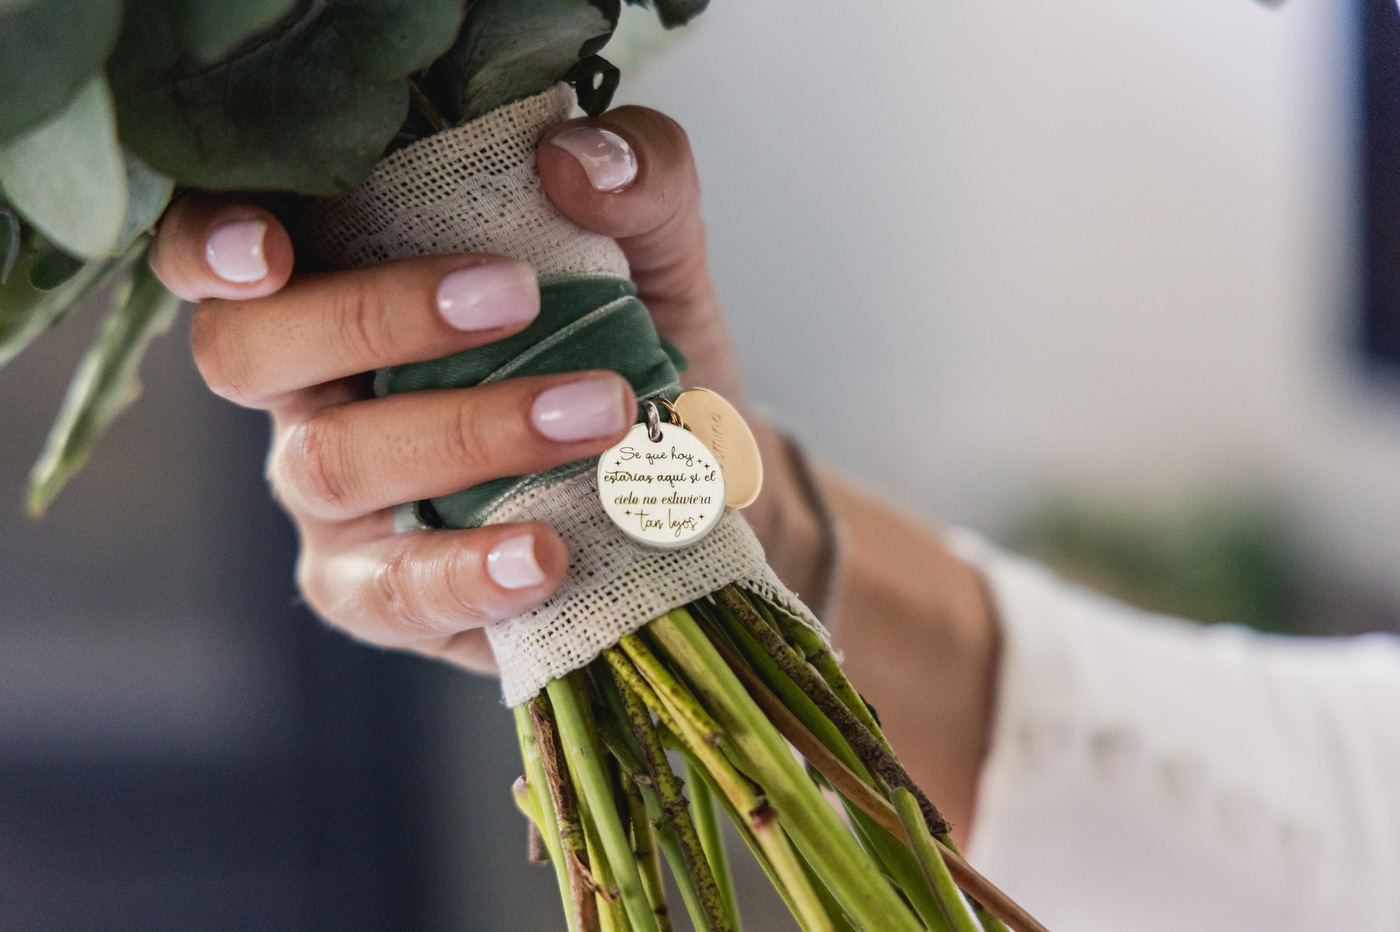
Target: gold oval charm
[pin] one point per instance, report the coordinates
(722, 429)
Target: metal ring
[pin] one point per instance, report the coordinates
(672, 414)
(653, 421)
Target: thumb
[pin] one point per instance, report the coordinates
(629, 174)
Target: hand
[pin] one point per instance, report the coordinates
(296, 346)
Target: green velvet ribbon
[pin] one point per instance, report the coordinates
(585, 322)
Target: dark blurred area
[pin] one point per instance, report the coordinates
(182, 746)
(1379, 29)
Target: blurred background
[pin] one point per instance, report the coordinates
(1115, 282)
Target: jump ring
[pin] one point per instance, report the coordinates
(653, 421)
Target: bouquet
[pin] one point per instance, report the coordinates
(386, 128)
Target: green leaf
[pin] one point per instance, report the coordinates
(52, 267)
(106, 383)
(10, 234)
(148, 193)
(211, 28)
(511, 49)
(67, 178)
(26, 312)
(308, 106)
(673, 13)
(48, 51)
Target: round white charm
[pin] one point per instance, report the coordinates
(667, 492)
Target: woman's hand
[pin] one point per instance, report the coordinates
(296, 346)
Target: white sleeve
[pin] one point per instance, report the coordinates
(1149, 774)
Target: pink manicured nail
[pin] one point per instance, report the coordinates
(606, 157)
(234, 251)
(511, 565)
(581, 410)
(483, 297)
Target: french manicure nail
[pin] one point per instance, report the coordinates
(482, 297)
(511, 564)
(581, 410)
(234, 251)
(606, 157)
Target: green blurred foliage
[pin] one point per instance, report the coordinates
(1222, 558)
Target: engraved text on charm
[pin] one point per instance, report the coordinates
(666, 493)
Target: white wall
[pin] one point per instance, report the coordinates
(978, 248)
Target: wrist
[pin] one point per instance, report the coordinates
(791, 520)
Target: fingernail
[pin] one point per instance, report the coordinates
(234, 251)
(511, 565)
(606, 157)
(497, 294)
(581, 410)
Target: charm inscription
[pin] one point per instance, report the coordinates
(666, 493)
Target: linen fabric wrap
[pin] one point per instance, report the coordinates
(475, 189)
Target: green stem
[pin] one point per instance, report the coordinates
(702, 808)
(612, 914)
(719, 915)
(585, 765)
(876, 757)
(538, 784)
(740, 824)
(670, 690)
(834, 852)
(819, 654)
(628, 754)
(648, 857)
(894, 857)
(932, 864)
(573, 843)
(744, 797)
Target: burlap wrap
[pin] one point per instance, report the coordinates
(475, 189)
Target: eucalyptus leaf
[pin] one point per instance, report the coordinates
(26, 312)
(10, 234)
(148, 193)
(48, 51)
(510, 49)
(106, 383)
(52, 267)
(67, 178)
(308, 106)
(211, 28)
(675, 13)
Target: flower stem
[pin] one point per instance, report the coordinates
(672, 697)
(573, 844)
(834, 852)
(537, 783)
(648, 857)
(932, 864)
(702, 807)
(877, 758)
(673, 811)
(585, 766)
(854, 789)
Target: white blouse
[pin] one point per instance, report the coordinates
(1149, 774)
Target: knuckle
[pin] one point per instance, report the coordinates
(416, 601)
(466, 440)
(360, 324)
(393, 588)
(221, 357)
(318, 465)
